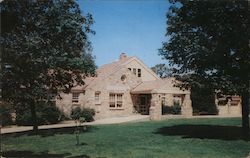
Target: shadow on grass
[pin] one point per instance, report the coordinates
(205, 132)
(51, 132)
(24, 154)
(30, 154)
(80, 156)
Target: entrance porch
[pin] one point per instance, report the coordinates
(149, 97)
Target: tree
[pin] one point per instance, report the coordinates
(161, 70)
(203, 100)
(45, 50)
(209, 40)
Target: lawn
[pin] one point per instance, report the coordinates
(181, 138)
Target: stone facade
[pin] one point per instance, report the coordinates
(125, 87)
(229, 105)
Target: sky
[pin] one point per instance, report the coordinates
(134, 27)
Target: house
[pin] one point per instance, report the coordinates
(126, 87)
(228, 105)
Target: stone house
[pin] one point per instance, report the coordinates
(123, 88)
(228, 105)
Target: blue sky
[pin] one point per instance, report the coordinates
(135, 27)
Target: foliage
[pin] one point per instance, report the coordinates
(206, 41)
(175, 109)
(47, 113)
(45, 50)
(86, 113)
(5, 113)
(161, 70)
(203, 100)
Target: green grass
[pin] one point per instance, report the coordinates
(181, 138)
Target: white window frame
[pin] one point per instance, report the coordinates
(97, 96)
(139, 72)
(134, 71)
(75, 97)
(117, 101)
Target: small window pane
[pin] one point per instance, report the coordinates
(134, 71)
(75, 97)
(97, 96)
(139, 72)
(119, 100)
(111, 100)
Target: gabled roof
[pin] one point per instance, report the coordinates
(143, 65)
(148, 86)
(158, 86)
(103, 72)
(108, 69)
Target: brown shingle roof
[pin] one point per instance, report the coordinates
(108, 69)
(149, 86)
(103, 72)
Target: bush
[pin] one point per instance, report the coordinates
(86, 113)
(47, 113)
(175, 109)
(203, 101)
(5, 113)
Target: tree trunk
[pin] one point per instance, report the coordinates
(33, 116)
(245, 113)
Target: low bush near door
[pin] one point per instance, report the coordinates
(86, 113)
(175, 109)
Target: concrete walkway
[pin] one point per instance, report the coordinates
(113, 120)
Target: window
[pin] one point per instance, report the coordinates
(134, 71)
(75, 97)
(129, 69)
(119, 100)
(115, 100)
(139, 73)
(123, 78)
(97, 96)
(112, 100)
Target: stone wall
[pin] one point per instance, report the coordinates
(186, 109)
(110, 84)
(230, 108)
(155, 110)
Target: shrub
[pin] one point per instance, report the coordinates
(203, 100)
(166, 109)
(86, 113)
(47, 113)
(76, 113)
(175, 109)
(5, 113)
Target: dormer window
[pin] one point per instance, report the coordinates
(139, 73)
(134, 71)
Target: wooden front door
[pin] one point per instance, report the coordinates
(143, 105)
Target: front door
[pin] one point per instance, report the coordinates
(143, 105)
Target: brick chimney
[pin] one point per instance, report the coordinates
(123, 56)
